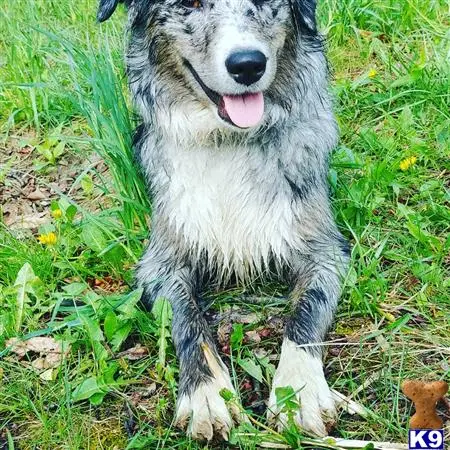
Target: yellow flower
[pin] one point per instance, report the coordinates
(48, 239)
(372, 73)
(57, 213)
(407, 163)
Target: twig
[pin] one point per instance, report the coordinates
(349, 405)
(351, 443)
(366, 383)
(342, 443)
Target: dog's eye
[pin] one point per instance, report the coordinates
(192, 4)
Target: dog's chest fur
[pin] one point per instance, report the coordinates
(232, 203)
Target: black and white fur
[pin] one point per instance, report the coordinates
(235, 204)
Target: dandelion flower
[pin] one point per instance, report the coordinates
(407, 163)
(48, 239)
(372, 73)
(57, 213)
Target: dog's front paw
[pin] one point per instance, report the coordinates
(304, 373)
(204, 412)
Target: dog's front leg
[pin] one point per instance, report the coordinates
(200, 407)
(203, 375)
(314, 300)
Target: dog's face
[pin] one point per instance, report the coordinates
(226, 52)
(229, 51)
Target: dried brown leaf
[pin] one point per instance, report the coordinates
(134, 353)
(50, 353)
(36, 195)
(252, 336)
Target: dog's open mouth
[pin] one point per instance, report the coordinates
(243, 111)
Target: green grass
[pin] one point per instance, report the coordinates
(62, 84)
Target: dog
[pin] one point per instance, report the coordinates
(237, 129)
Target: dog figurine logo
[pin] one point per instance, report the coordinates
(425, 425)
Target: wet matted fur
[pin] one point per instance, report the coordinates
(238, 191)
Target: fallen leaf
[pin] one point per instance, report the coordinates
(235, 314)
(134, 353)
(223, 332)
(147, 401)
(238, 317)
(36, 195)
(31, 221)
(50, 353)
(107, 284)
(276, 324)
(38, 344)
(47, 375)
(139, 395)
(16, 217)
(264, 332)
(260, 353)
(26, 149)
(252, 336)
(38, 364)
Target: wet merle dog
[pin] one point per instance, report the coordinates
(236, 135)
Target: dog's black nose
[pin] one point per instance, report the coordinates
(246, 67)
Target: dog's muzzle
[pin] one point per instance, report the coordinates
(243, 111)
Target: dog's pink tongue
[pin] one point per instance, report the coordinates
(244, 110)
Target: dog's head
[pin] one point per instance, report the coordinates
(225, 56)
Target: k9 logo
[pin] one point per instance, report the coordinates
(426, 439)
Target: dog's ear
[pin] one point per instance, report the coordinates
(304, 12)
(106, 9)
